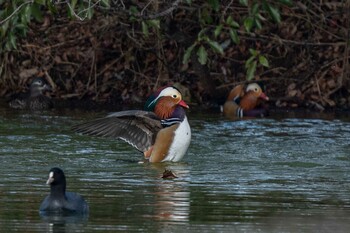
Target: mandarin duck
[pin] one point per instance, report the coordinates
(60, 201)
(34, 98)
(161, 132)
(245, 103)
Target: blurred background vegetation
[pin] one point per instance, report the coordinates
(117, 51)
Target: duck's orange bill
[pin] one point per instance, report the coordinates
(263, 96)
(183, 104)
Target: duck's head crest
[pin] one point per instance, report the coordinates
(257, 91)
(164, 101)
(39, 85)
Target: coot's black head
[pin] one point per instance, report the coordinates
(56, 177)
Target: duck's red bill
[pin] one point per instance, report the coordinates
(183, 104)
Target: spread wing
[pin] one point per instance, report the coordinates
(136, 127)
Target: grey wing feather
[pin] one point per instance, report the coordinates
(136, 127)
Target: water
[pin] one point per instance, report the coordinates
(280, 174)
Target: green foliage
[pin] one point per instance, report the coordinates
(147, 24)
(14, 20)
(202, 53)
(258, 8)
(253, 61)
(16, 15)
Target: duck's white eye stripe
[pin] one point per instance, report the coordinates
(50, 174)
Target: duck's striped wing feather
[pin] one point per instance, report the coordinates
(136, 127)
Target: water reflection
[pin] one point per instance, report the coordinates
(264, 175)
(172, 196)
(55, 222)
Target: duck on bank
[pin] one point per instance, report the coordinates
(245, 102)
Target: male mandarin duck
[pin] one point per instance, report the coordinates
(161, 132)
(240, 103)
(34, 99)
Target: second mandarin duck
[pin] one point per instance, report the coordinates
(245, 103)
(161, 132)
(34, 99)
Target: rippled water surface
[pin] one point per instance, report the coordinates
(280, 174)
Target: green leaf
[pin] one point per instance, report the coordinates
(231, 22)
(12, 41)
(188, 2)
(216, 46)
(145, 30)
(154, 23)
(206, 16)
(234, 36)
(187, 54)
(25, 14)
(90, 13)
(273, 12)
(251, 70)
(249, 61)
(201, 34)
(105, 3)
(248, 23)
(215, 4)
(202, 55)
(52, 7)
(243, 2)
(73, 3)
(253, 52)
(263, 61)
(257, 23)
(4, 28)
(133, 10)
(255, 8)
(218, 30)
(37, 13)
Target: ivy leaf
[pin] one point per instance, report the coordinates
(187, 54)
(248, 62)
(263, 61)
(251, 70)
(234, 36)
(248, 23)
(218, 30)
(36, 13)
(12, 41)
(145, 30)
(243, 2)
(273, 12)
(257, 23)
(154, 23)
(216, 46)
(231, 22)
(90, 12)
(105, 3)
(202, 55)
(255, 9)
(253, 52)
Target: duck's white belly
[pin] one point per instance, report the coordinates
(180, 143)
